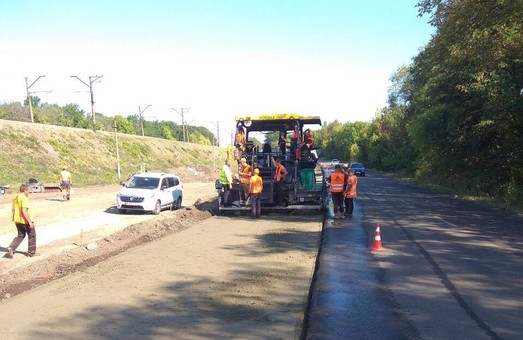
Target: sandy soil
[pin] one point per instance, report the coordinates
(66, 229)
(227, 276)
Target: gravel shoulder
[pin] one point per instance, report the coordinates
(183, 274)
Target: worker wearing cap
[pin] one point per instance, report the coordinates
(255, 190)
(245, 179)
(65, 183)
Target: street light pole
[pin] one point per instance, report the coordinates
(141, 119)
(92, 79)
(29, 99)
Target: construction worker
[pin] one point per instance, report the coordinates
(240, 142)
(307, 143)
(282, 142)
(245, 179)
(308, 138)
(255, 190)
(279, 180)
(65, 183)
(226, 182)
(337, 181)
(22, 216)
(350, 192)
(295, 136)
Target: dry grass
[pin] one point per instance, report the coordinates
(39, 151)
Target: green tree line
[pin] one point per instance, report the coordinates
(454, 115)
(71, 115)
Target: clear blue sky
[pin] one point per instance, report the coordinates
(221, 58)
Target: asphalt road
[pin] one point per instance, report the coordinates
(450, 269)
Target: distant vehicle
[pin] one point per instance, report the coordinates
(335, 161)
(150, 192)
(358, 168)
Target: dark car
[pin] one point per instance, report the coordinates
(358, 168)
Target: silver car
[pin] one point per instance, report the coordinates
(150, 192)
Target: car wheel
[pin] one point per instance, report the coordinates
(178, 203)
(157, 208)
(363, 175)
(122, 211)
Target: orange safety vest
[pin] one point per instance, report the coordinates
(295, 133)
(245, 175)
(256, 185)
(278, 176)
(308, 138)
(352, 183)
(337, 181)
(240, 138)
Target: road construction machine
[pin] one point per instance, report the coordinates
(287, 137)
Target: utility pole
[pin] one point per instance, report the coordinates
(185, 134)
(141, 119)
(186, 127)
(217, 125)
(29, 99)
(117, 152)
(218, 132)
(92, 79)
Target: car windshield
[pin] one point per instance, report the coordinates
(356, 165)
(143, 183)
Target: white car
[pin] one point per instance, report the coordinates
(335, 161)
(150, 192)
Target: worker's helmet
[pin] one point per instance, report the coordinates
(243, 160)
(256, 171)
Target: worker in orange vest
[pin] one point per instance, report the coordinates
(307, 143)
(308, 138)
(279, 180)
(350, 192)
(295, 140)
(337, 182)
(245, 179)
(240, 142)
(255, 190)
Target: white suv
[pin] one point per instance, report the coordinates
(150, 192)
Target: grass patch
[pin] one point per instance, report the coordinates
(39, 151)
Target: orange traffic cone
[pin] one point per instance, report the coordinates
(377, 240)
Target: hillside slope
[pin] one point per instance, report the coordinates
(39, 151)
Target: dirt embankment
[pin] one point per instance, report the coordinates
(202, 277)
(55, 265)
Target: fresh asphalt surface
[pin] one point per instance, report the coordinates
(348, 301)
(450, 269)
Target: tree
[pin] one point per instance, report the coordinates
(74, 115)
(466, 102)
(35, 101)
(123, 125)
